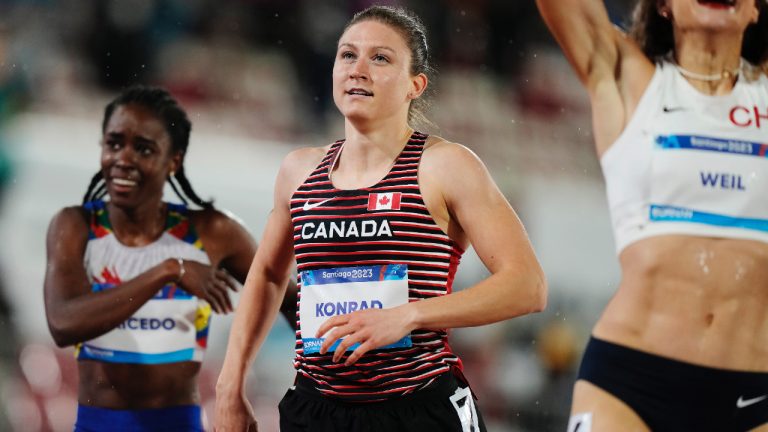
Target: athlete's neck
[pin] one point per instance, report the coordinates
(366, 157)
(139, 225)
(708, 54)
(370, 148)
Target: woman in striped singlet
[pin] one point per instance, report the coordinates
(377, 223)
(679, 113)
(131, 281)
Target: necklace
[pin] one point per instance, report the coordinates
(713, 77)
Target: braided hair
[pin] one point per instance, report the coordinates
(178, 126)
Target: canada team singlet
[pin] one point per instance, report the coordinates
(375, 247)
(170, 327)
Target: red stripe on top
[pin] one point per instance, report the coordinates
(401, 231)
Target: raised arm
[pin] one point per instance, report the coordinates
(585, 34)
(74, 313)
(612, 67)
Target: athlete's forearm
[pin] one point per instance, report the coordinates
(91, 315)
(255, 313)
(501, 296)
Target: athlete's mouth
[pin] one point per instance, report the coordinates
(123, 183)
(359, 92)
(718, 3)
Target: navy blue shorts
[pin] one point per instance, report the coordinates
(671, 395)
(443, 406)
(174, 419)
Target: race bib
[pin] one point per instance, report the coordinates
(161, 331)
(711, 181)
(337, 291)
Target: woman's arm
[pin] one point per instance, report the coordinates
(262, 295)
(612, 67)
(74, 313)
(467, 196)
(586, 35)
(476, 207)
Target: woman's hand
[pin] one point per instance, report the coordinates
(234, 413)
(208, 283)
(371, 328)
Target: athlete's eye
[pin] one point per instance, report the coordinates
(113, 144)
(145, 150)
(379, 58)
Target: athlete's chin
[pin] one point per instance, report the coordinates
(124, 200)
(357, 116)
(718, 21)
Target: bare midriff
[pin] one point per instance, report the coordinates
(137, 386)
(696, 299)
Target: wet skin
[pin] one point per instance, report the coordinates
(700, 300)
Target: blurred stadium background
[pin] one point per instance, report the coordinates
(254, 75)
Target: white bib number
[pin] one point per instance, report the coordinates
(337, 291)
(709, 181)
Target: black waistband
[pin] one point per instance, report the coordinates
(444, 385)
(624, 355)
(672, 395)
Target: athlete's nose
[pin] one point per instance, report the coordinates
(126, 157)
(359, 70)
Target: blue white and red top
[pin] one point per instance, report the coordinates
(170, 327)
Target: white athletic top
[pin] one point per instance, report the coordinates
(689, 163)
(170, 327)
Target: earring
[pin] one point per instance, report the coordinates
(665, 13)
(173, 173)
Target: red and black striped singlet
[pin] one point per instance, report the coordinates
(349, 229)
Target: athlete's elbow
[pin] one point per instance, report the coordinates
(61, 336)
(537, 294)
(63, 330)
(528, 295)
(542, 294)
(63, 342)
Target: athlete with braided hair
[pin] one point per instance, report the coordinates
(178, 127)
(131, 281)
